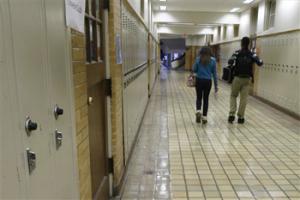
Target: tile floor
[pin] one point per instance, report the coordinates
(175, 158)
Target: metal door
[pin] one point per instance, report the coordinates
(96, 98)
(60, 98)
(30, 59)
(43, 81)
(10, 141)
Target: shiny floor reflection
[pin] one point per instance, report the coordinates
(175, 158)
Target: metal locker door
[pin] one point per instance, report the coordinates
(30, 60)
(62, 133)
(10, 141)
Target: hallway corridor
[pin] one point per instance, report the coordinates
(175, 158)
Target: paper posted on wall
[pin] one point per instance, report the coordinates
(75, 11)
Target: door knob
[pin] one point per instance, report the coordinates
(90, 100)
(58, 111)
(30, 125)
(31, 159)
(58, 138)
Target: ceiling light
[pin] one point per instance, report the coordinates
(248, 1)
(163, 7)
(162, 0)
(234, 9)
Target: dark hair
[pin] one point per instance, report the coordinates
(245, 42)
(205, 51)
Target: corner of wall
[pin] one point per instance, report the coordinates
(81, 113)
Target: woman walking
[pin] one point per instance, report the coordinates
(205, 70)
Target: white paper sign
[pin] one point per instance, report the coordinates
(75, 11)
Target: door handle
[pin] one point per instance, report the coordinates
(58, 138)
(30, 126)
(58, 111)
(90, 100)
(31, 159)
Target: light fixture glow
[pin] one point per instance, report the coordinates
(234, 9)
(162, 0)
(163, 7)
(248, 1)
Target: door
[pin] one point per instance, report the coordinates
(30, 60)
(96, 99)
(42, 78)
(59, 75)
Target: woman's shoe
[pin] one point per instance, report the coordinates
(198, 117)
(204, 120)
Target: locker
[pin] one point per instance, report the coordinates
(37, 145)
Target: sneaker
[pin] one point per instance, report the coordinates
(231, 119)
(198, 117)
(241, 120)
(204, 120)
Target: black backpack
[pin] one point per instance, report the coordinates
(244, 64)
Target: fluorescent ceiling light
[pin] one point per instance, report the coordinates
(248, 1)
(163, 7)
(163, 0)
(234, 9)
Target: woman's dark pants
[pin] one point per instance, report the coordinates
(203, 87)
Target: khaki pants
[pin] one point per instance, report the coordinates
(239, 86)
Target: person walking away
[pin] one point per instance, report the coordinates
(205, 69)
(243, 61)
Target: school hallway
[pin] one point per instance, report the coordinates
(176, 158)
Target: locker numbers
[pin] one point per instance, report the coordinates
(30, 126)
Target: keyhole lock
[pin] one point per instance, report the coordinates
(31, 159)
(58, 111)
(30, 126)
(58, 138)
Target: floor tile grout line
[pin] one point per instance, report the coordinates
(178, 141)
(201, 185)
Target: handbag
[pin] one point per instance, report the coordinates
(191, 80)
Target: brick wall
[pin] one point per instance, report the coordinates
(81, 110)
(117, 93)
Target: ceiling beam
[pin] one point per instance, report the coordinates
(185, 30)
(197, 17)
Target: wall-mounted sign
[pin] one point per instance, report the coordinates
(75, 11)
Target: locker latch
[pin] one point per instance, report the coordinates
(58, 138)
(31, 159)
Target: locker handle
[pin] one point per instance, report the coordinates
(31, 159)
(30, 125)
(58, 138)
(58, 111)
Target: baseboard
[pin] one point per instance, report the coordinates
(278, 107)
(118, 190)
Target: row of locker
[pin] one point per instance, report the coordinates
(37, 159)
(279, 77)
(134, 41)
(139, 74)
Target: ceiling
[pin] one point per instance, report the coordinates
(202, 5)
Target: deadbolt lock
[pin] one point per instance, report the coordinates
(30, 126)
(58, 138)
(31, 159)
